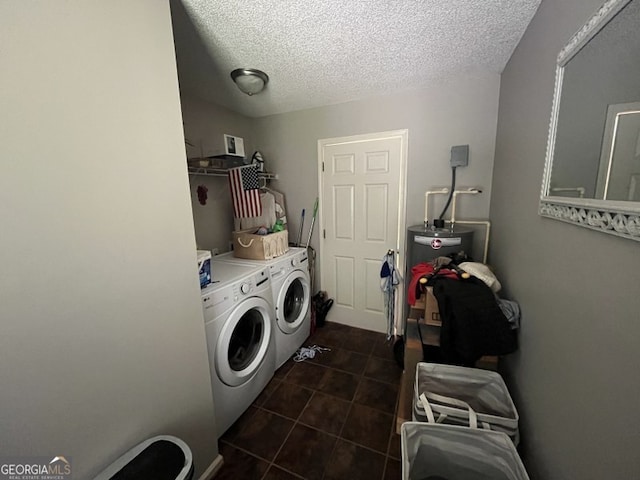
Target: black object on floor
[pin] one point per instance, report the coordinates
(321, 306)
(159, 458)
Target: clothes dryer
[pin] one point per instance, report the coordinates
(291, 291)
(239, 318)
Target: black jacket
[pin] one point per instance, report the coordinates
(472, 323)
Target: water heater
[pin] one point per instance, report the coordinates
(425, 245)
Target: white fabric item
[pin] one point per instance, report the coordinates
(511, 310)
(481, 271)
(389, 280)
(267, 219)
(281, 209)
(305, 353)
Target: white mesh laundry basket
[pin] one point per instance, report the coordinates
(446, 452)
(464, 396)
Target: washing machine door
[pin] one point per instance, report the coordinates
(292, 304)
(244, 341)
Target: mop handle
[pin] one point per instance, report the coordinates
(300, 231)
(313, 221)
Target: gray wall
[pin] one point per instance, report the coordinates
(575, 376)
(101, 330)
(204, 126)
(453, 112)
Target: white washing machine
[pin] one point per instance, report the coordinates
(291, 289)
(239, 317)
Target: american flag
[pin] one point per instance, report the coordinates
(245, 193)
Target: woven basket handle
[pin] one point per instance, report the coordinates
(247, 245)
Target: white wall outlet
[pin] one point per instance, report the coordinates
(215, 251)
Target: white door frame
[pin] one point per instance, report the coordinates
(402, 207)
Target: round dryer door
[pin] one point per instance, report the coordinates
(293, 301)
(244, 341)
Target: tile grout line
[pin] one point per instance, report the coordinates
(244, 450)
(393, 422)
(259, 407)
(351, 403)
(337, 436)
(358, 377)
(298, 422)
(386, 412)
(346, 418)
(361, 376)
(393, 432)
(384, 466)
(295, 422)
(312, 427)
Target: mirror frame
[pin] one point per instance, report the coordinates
(613, 217)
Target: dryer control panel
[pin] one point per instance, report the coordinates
(252, 284)
(298, 261)
(302, 260)
(220, 297)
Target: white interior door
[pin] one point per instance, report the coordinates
(362, 212)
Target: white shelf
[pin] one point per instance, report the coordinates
(224, 172)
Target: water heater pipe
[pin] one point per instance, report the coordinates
(426, 203)
(471, 191)
(453, 221)
(487, 225)
(580, 190)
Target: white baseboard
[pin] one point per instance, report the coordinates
(211, 471)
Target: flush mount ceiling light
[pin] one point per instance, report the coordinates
(250, 80)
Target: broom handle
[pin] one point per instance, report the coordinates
(313, 221)
(300, 231)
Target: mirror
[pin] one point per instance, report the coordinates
(592, 169)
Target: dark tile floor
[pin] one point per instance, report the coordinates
(331, 417)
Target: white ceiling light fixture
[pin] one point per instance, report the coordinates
(250, 80)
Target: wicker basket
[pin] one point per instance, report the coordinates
(260, 247)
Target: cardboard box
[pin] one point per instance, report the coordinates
(260, 247)
(431, 311)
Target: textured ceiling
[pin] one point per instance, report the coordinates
(324, 52)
